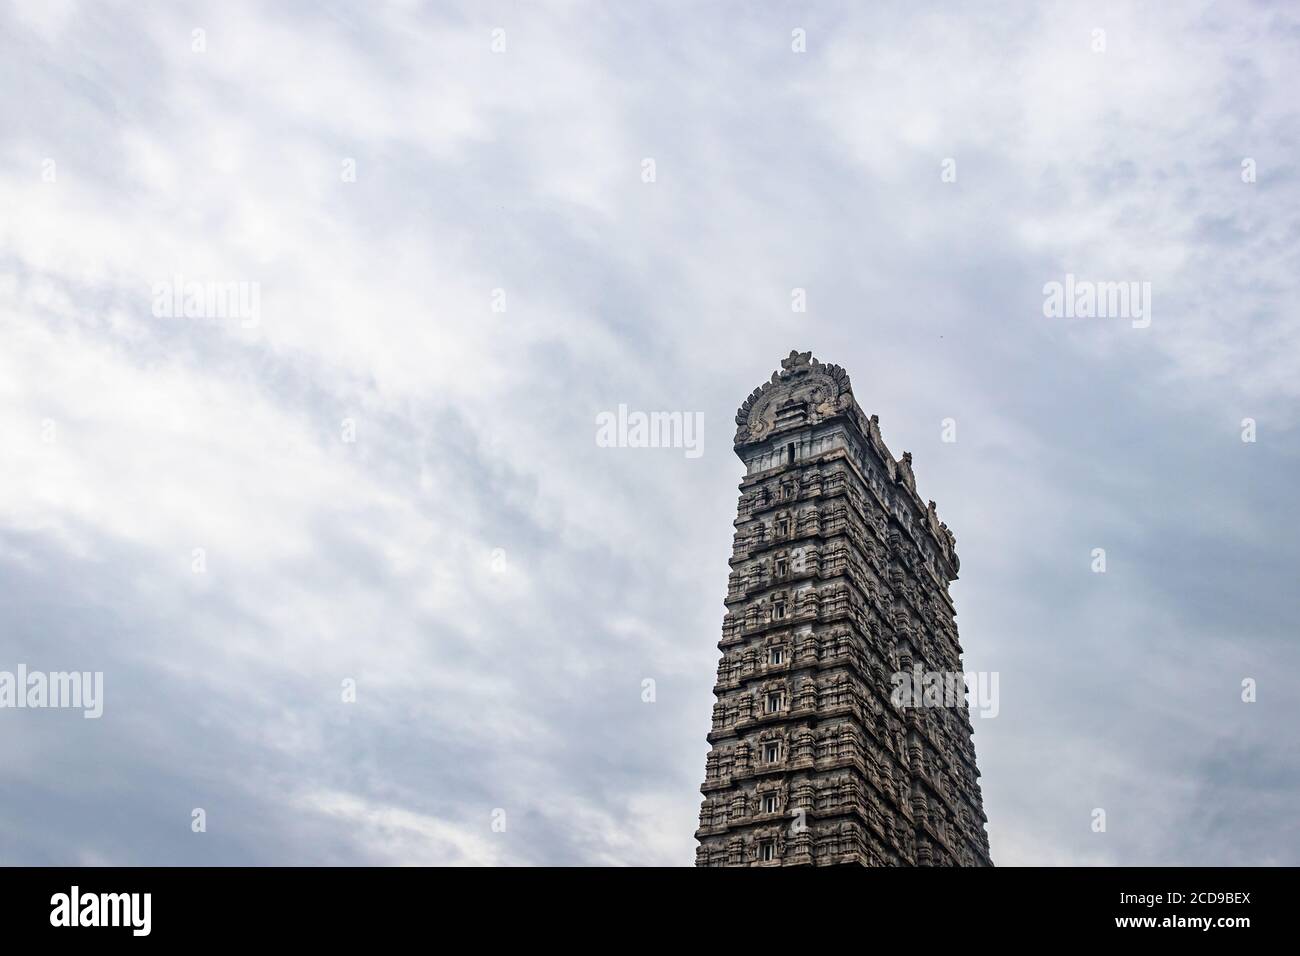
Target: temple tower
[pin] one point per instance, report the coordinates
(838, 595)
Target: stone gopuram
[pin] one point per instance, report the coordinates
(838, 592)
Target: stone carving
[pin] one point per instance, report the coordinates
(804, 389)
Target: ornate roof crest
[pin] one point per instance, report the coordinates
(804, 391)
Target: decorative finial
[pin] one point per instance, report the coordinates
(797, 359)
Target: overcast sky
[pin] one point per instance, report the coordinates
(391, 474)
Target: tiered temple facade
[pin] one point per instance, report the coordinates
(839, 582)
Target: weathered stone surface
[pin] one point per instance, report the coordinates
(839, 581)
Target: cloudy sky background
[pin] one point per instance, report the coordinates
(482, 686)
